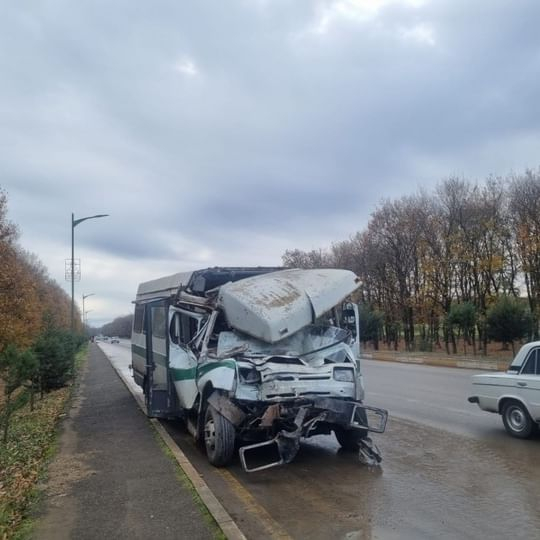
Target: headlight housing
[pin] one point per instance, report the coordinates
(249, 375)
(343, 374)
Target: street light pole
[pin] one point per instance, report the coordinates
(83, 297)
(85, 317)
(74, 223)
(72, 273)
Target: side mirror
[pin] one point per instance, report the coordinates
(350, 320)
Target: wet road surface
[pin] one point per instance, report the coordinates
(432, 396)
(468, 480)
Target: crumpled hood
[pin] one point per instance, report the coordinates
(271, 307)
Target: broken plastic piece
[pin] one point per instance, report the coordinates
(378, 416)
(368, 452)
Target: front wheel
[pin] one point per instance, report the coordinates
(219, 436)
(517, 420)
(349, 439)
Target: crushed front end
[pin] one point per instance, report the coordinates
(308, 385)
(288, 421)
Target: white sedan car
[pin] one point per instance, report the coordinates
(514, 394)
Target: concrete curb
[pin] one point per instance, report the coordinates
(480, 364)
(225, 522)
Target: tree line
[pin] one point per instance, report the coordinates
(462, 261)
(121, 327)
(37, 348)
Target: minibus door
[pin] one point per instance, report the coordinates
(159, 398)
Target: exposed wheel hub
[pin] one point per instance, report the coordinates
(516, 419)
(210, 434)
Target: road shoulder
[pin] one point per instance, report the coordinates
(110, 477)
(219, 514)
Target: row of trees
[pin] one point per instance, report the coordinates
(121, 327)
(435, 262)
(37, 347)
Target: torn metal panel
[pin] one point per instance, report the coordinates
(270, 415)
(302, 421)
(287, 444)
(163, 287)
(285, 382)
(313, 345)
(273, 306)
(197, 282)
(226, 408)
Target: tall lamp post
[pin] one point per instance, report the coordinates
(83, 297)
(85, 316)
(74, 223)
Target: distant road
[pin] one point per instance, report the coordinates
(125, 343)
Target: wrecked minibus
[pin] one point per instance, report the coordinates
(255, 357)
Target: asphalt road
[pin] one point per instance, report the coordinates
(449, 470)
(432, 396)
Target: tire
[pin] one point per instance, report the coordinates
(349, 439)
(219, 437)
(517, 420)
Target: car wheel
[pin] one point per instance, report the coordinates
(219, 436)
(516, 420)
(349, 439)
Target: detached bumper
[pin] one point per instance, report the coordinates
(348, 414)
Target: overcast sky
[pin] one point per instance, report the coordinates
(225, 132)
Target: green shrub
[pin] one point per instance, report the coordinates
(16, 368)
(371, 322)
(508, 320)
(55, 351)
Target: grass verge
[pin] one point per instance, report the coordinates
(24, 458)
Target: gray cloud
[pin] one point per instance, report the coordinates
(222, 132)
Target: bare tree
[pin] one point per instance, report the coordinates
(464, 243)
(525, 216)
